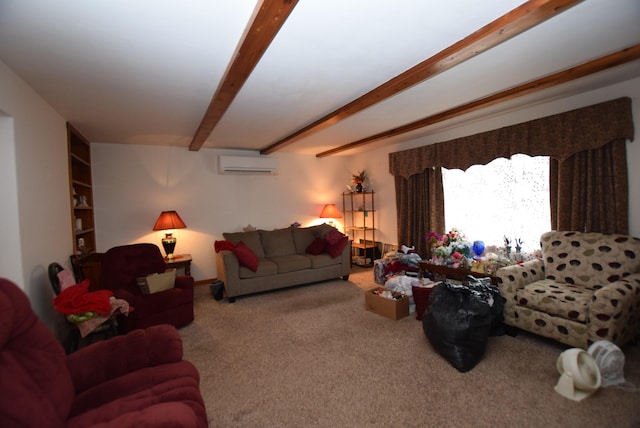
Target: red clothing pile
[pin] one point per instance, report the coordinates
(78, 299)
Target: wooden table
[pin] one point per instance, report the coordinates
(180, 261)
(453, 273)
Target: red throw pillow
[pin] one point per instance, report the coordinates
(246, 257)
(336, 249)
(317, 246)
(223, 245)
(333, 237)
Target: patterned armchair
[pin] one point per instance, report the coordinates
(585, 288)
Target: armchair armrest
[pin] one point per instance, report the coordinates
(121, 293)
(120, 355)
(514, 277)
(611, 311)
(183, 281)
(172, 414)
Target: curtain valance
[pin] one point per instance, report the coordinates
(559, 136)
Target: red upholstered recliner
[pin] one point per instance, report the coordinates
(122, 265)
(139, 379)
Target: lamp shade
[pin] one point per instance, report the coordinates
(169, 220)
(330, 211)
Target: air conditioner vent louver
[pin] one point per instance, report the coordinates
(248, 165)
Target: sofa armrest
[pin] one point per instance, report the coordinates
(227, 267)
(611, 313)
(120, 355)
(346, 259)
(511, 278)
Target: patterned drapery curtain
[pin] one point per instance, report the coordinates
(560, 137)
(420, 207)
(590, 192)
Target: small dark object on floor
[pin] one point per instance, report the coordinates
(217, 290)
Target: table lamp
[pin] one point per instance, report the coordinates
(168, 221)
(330, 211)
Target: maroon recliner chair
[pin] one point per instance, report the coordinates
(138, 379)
(121, 266)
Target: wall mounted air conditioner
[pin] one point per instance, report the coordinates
(248, 165)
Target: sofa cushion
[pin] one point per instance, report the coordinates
(251, 240)
(291, 262)
(323, 260)
(265, 268)
(246, 257)
(567, 301)
(122, 265)
(589, 258)
(277, 242)
(333, 237)
(334, 250)
(303, 237)
(317, 246)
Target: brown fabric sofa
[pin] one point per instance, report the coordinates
(586, 288)
(283, 260)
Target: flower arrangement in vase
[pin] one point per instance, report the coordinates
(451, 249)
(358, 179)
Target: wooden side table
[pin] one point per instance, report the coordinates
(180, 261)
(453, 273)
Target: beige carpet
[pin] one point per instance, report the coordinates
(313, 356)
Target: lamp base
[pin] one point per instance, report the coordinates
(169, 245)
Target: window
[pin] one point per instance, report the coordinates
(507, 197)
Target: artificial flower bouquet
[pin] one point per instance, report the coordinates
(451, 249)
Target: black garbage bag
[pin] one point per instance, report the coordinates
(489, 293)
(459, 320)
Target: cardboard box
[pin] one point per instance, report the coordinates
(394, 309)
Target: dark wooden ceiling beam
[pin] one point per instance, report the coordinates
(270, 16)
(507, 26)
(603, 63)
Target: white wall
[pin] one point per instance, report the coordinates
(134, 183)
(377, 160)
(35, 190)
(11, 261)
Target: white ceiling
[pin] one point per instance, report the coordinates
(144, 71)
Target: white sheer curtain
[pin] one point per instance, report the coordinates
(507, 197)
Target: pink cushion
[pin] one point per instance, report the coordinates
(246, 257)
(336, 249)
(317, 246)
(66, 279)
